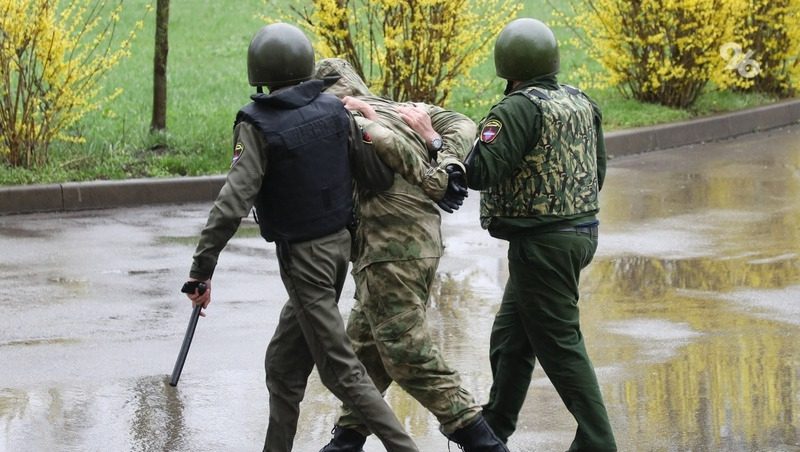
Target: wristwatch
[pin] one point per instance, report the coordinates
(435, 144)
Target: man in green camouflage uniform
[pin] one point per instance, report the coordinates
(295, 150)
(540, 163)
(398, 246)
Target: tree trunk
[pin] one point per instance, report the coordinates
(159, 121)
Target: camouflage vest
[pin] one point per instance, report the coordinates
(559, 175)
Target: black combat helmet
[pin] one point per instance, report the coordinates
(279, 55)
(525, 48)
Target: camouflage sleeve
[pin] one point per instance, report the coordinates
(511, 128)
(370, 172)
(234, 200)
(457, 132)
(406, 157)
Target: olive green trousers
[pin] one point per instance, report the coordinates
(539, 319)
(311, 331)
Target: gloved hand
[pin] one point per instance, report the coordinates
(456, 189)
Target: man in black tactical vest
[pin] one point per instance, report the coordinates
(540, 162)
(296, 153)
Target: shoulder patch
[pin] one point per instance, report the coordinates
(490, 130)
(237, 152)
(365, 137)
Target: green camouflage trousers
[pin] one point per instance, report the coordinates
(389, 331)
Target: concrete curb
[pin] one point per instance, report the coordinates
(702, 130)
(136, 192)
(106, 194)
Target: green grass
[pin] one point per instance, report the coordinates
(207, 79)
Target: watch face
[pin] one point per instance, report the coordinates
(436, 143)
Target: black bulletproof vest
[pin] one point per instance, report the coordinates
(307, 189)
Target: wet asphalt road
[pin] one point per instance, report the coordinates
(691, 311)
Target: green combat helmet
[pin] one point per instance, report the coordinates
(279, 55)
(525, 48)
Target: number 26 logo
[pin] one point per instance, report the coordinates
(744, 64)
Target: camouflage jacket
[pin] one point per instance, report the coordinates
(539, 161)
(403, 222)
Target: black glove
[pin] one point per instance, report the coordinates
(190, 287)
(456, 189)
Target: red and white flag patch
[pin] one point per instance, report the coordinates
(490, 130)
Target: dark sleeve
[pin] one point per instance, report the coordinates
(234, 200)
(368, 169)
(511, 129)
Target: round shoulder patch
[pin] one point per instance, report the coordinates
(237, 153)
(365, 136)
(490, 130)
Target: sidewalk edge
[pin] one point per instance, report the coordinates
(73, 196)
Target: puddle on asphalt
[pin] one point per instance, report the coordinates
(22, 233)
(775, 304)
(691, 311)
(34, 342)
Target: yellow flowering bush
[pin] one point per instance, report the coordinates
(53, 54)
(666, 51)
(658, 51)
(763, 52)
(409, 49)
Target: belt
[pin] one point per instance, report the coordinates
(590, 229)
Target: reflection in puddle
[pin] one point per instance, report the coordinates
(778, 304)
(691, 311)
(157, 408)
(708, 308)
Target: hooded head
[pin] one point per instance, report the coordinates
(349, 83)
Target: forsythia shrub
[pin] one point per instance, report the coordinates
(658, 51)
(763, 53)
(409, 49)
(53, 54)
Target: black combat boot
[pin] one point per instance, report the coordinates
(477, 437)
(345, 440)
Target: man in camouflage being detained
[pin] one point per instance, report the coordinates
(397, 251)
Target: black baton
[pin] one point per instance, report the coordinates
(188, 287)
